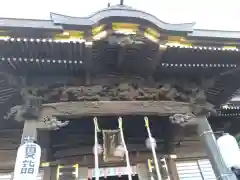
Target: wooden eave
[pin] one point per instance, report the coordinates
(58, 23)
(67, 59)
(28, 55)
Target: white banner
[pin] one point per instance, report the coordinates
(27, 162)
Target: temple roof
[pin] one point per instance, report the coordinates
(117, 13)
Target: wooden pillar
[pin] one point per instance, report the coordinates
(172, 169)
(29, 131)
(142, 171)
(47, 173)
(83, 173)
(44, 137)
(29, 134)
(53, 171)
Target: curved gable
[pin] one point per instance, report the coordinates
(121, 12)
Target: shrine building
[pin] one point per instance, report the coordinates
(118, 94)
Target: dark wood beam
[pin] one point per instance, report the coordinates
(113, 108)
(88, 63)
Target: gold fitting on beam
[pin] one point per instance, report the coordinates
(146, 121)
(58, 171)
(76, 170)
(150, 165)
(45, 164)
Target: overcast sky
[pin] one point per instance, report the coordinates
(208, 14)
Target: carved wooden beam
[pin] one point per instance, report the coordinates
(108, 108)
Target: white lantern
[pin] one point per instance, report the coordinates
(27, 162)
(229, 150)
(99, 149)
(119, 151)
(149, 143)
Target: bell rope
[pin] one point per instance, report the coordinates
(96, 130)
(129, 169)
(153, 148)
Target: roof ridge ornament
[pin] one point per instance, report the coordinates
(121, 3)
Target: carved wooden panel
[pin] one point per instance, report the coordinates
(118, 108)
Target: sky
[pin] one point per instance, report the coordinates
(208, 14)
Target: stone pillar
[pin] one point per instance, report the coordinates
(172, 169)
(29, 131)
(207, 137)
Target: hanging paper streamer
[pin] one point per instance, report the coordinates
(90, 174)
(118, 172)
(105, 171)
(111, 171)
(133, 171)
